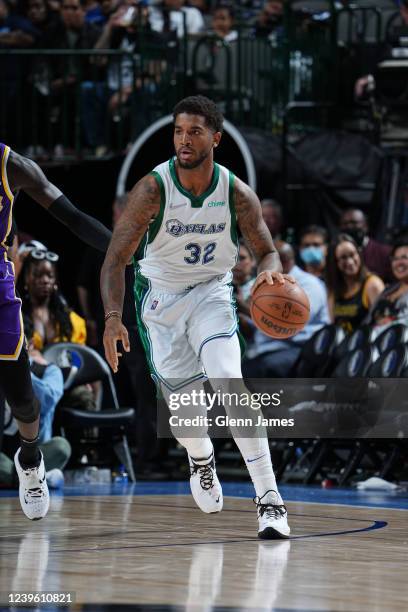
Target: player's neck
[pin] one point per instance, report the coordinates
(197, 180)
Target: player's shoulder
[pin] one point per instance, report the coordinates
(243, 193)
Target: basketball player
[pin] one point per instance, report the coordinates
(182, 218)
(17, 173)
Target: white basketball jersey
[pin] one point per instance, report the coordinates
(193, 239)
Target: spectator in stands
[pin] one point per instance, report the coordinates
(272, 215)
(170, 15)
(267, 357)
(70, 33)
(376, 256)
(102, 100)
(243, 278)
(352, 289)
(48, 385)
(223, 23)
(44, 307)
(391, 305)
(313, 244)
(41, 18)
(15, 31)
(397, 31)
(101, 11)
(270, 18)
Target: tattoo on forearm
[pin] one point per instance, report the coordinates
(143, 205)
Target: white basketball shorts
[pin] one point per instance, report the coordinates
(175, 326)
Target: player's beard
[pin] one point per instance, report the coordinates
(194, 164)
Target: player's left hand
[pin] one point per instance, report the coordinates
(269, 277)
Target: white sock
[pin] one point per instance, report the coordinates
(199, 449)
(221, 358)
(257, 457)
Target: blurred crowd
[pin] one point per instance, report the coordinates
(107, 84)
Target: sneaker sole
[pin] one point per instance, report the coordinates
(272, 534)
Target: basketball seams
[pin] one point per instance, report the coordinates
(275, 318)
(280, 297)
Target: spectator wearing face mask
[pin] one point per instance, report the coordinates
(313, 249)
(376, 256)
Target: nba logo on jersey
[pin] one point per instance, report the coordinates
(154, 305)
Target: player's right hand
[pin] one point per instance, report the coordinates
(115, 331)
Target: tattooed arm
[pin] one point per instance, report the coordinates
(257, 236)
(142, 206)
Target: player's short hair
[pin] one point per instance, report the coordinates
(202, 106)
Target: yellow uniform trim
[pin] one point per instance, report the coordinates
(17, 352)
(364, 296)
(4, 173)
(8, 193)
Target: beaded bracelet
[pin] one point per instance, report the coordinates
(113, 313)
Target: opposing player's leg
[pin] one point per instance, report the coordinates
(221, 358)
(205, 486)
(15, 380)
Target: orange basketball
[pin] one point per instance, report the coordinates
(280, 311)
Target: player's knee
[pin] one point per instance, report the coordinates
(24, 409)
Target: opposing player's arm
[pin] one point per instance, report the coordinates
(25, 174)
(257, 235)
(143, 205)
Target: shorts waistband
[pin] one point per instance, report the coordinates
(176, 289)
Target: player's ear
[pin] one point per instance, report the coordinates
(217, 138)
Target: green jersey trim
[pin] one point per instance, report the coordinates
(155, 225)
(196, 201)
(231, 200)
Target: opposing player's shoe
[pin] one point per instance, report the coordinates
(205, 486)
(34, 496)
(272, 517)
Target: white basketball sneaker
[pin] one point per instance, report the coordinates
(205, 486)
(34, 496)
(272, 517)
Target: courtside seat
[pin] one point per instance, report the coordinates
(390, 364)
(363, 336)
(391, 337)
(91, 367)
(316, 357)
(356, 364)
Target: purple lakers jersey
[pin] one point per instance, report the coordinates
(6, 201)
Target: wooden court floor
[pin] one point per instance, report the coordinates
(158, 551)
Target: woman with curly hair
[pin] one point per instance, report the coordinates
(43, 304)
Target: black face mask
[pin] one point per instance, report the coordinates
(357, 234)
